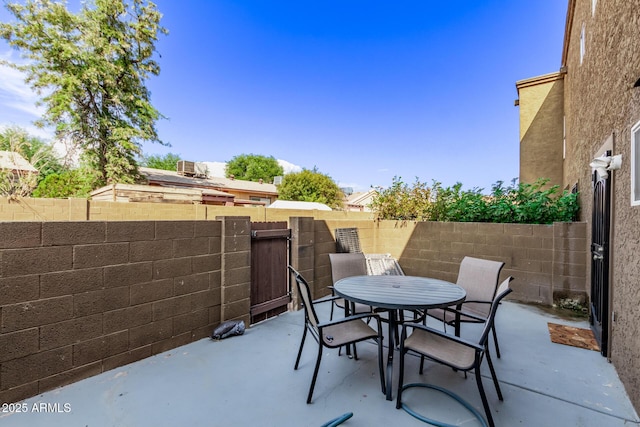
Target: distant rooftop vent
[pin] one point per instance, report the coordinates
(194, 169)
(277, 180)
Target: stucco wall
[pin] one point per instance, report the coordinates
(600, 103)
(541, 128)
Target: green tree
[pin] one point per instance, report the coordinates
(167, 162)
(90, 69)
(38, 153)
(253, 167)
(311, 186)
(69, 183)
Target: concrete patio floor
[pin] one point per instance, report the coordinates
(249, 380)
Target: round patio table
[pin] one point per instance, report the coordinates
(397, 293)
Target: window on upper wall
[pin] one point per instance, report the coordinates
(582, 43)
(635, 165)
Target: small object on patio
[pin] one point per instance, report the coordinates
(383, 265)
(228, 329)
(575, 337)
(347, 240)
(337, 421)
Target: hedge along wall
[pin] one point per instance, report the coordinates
(81, 298)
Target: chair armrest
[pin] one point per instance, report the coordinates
(467, 314)
(350, 318)
(429, 330)
(326, 299)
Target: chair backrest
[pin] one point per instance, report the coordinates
(502, 291)
(307, 301)
(383, 265)
(479, 278)
(347, 265)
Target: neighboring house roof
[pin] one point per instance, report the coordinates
(360, 200)
(165, 177)
(15, 162)
(149, 193)
(290, 204)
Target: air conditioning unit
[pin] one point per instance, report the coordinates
(201, 170)
(186, 168)
(277, 180)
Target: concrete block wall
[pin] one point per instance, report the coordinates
(81, 298)
(547, 261)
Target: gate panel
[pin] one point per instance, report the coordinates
(269, 278)
(600, 229)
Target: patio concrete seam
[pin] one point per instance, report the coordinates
(636, 421)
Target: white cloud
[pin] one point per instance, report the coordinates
(289, 167)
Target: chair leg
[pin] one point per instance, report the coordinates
(493, 376)
(315, 373)
(401, 377)
(421, 364)
(495, 339)
(304, 335)
(381, 366)
(483, 396)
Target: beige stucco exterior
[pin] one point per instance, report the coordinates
(600, 104)
(541, 128)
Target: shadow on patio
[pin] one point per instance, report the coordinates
(249, 380)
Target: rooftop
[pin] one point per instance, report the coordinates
(249, 380)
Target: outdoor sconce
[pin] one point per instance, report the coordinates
(603, 164)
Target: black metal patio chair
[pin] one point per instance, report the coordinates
(335, 333)
(455, 352)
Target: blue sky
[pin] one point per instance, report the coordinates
(362, 90)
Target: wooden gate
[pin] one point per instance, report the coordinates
(270, 291)
(600, 226)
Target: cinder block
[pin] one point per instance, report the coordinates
(88, 303)
(127, 274)
(240, 276)
(192, 283)
(36, 313)
(215, 245)
(141, 336)
(171, 343)
(171, 268)
(206, 263)
(69, 377)
(87, 256)
(19, 289)
(126, 358)
(151, 291)
(71, 331)
(150, 250)
(130, 231)
(174, 229)
(205, 299)
(73, 233)
(236, 293)
(235, 260)
(18, 344)
(30, 368)
(86, 352)
(208, 228)
(190, 247)
(236, 310)
(20, 235)
(126, 318)
(22, 262)
(16, 394)
(70, 282)
(190, 321)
